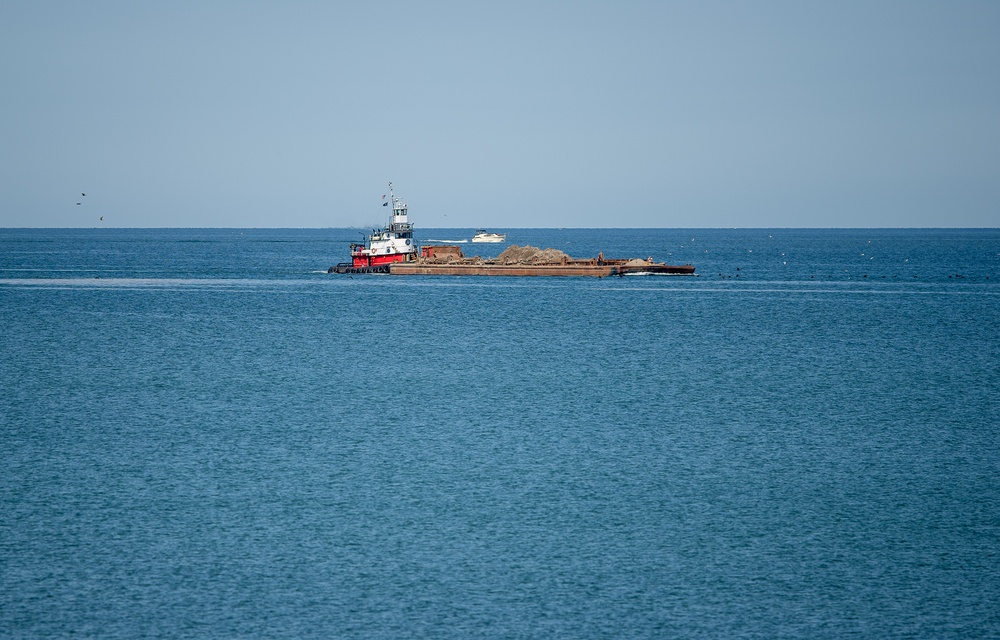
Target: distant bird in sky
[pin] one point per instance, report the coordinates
(83, 194)
(78, 203)
(102, 217)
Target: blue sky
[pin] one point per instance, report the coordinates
(515, 114)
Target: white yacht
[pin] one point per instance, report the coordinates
(485, 236)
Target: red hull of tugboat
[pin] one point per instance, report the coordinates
(374, 261)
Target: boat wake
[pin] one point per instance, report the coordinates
(651, 273)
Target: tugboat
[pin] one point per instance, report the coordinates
(385, 246)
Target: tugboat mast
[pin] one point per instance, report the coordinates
(399, 223)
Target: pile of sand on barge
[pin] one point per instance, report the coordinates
(512, 255)
(535, 256)
(528, 254)
(525, 261)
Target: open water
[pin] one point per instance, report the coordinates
(205, 435)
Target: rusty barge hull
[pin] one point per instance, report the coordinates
(587, 269)
(418, 269)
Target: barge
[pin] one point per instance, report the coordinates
(392, 251)
(446, 260)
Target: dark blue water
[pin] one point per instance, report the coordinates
(205, 435)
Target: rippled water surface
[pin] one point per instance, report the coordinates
(205, 434)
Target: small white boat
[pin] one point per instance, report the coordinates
(484, 236)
